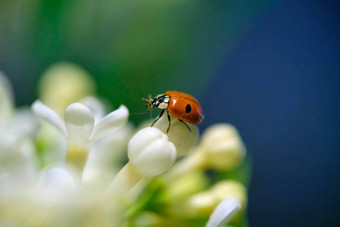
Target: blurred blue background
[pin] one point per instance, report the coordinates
(280, 86)
(271, 68)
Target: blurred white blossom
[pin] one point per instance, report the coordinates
(80, 128)
(65, 83)
(88, 167)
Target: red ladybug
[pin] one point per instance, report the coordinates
(182, 106)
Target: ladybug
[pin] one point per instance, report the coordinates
(182, 106)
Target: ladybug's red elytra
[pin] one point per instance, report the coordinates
(182, 106)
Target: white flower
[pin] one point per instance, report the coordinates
(80, 125)
(53, 144)
(38, 188)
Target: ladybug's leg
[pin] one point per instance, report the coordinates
(160, 115)
(169, 119)
(185, 125)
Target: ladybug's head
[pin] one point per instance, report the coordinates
(160, 101)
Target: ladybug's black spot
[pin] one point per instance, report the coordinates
(188, 108)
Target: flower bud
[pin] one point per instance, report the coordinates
(222, 146)
(150, 152)
(186, 185)
(203, 203)
(230, 189)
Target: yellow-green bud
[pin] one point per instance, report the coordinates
(222, 146)
(63, 84)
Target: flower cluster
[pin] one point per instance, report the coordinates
(66, 161)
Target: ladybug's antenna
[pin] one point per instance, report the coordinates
(149, 103)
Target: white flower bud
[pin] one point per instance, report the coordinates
(150, 152)
(223, 147)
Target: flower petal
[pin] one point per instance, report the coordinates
(47, 114)
(224, 212)
(110, 122)
(79, 121)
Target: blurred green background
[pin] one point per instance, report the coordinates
(131, 48)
